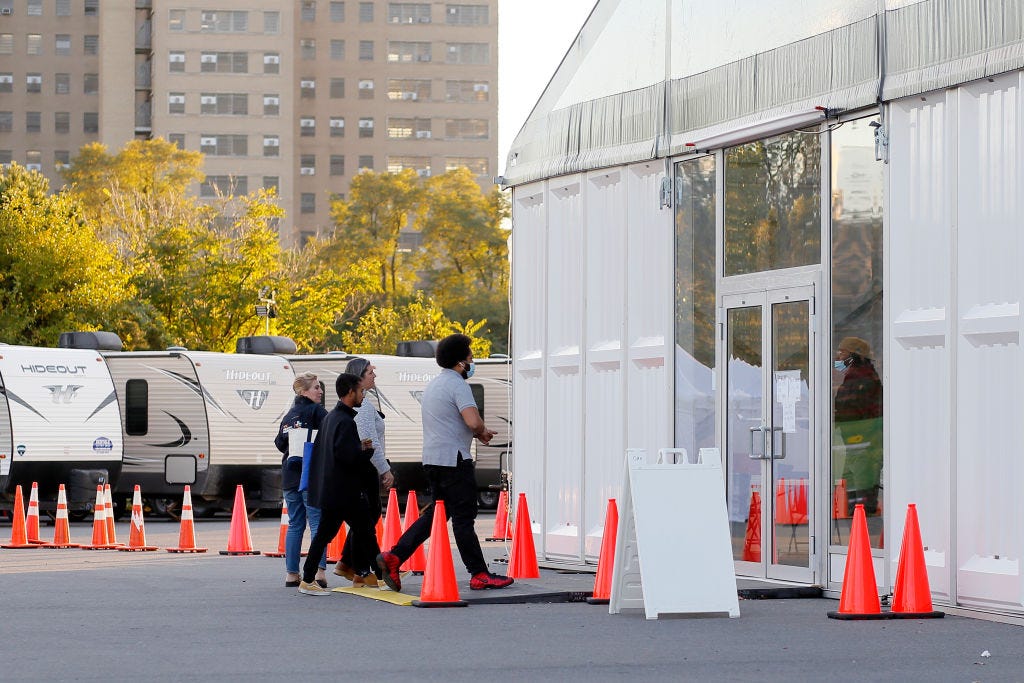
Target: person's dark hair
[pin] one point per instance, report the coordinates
(357, 366)
(345, 383)
(451, 350)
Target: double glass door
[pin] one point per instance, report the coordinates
(768, 431)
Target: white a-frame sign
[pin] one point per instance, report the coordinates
(673, 553)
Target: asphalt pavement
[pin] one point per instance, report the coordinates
(113, 616)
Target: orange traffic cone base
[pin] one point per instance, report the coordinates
(240, 552)
(131, 549)
(431, 603)
(187, 550)
(103, 546)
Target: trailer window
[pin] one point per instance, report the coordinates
(478, 396)
(136, 413)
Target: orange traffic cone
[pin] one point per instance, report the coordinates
(380, 532)
(523, 561)
(912, 597)
(752, 541)
(840, 501)
(392, 522)
(782, 508)
(61, 530)
(606, 560)
(99, 524)
(108, 509)
(32, 518)
(137, 535)
(337, 545)
(501, 531)
(439, 587)
(239, 539)
(798, 503)
(859, 599)
(187, 533)
(283, 535)
(19, 537)
(417, 562)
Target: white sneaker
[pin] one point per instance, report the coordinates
(312, 589)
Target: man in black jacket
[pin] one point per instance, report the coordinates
(336, 470)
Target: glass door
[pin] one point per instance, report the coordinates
(768, 430)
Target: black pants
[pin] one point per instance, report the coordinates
(456, 486)
(331, 519)
(367, 535)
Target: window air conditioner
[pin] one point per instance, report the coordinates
(423, 172)
(423, 133)
(31, 167)
(6, 10)
(307, 170)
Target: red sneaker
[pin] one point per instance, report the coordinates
(484, 580)
(389, 564)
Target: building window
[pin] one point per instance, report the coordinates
(307, 202)
(409, 12)
(271, 63)
(409, 89)
(307, 48)
(91, 122)
(176, 103)
(63, 8)
(176, 62)
(337, 127)
(366, 88)
(34, 160)
(477, 165)
(402, 128)
(307, 164)
(61, 158)
(92, 44)
(271, 146)
(365, 12)
(467, 91)
(419, 164)
(337, 164)
(62, 84)
(91, 83)
(337, 50)
(61, 122)
(468, 53)
(308, 12)
(7, 82)
(92, 8)
(337, 11)
(337, 88)
(34, 44)
(34, 8)
(224, 145)
(271, 182)
(177, 139)
(366, 161)
(6, 156)
(307, 88)
(408, 51)
(467, 15)
(225, 103)
(307, 126)
(225, 21)
(33, 83)
(365, 50)
(271, 23)
(62, 44)
(33, 121)
(176, 20)
(6, 43)
(466, 129)
(366, 127)
(219, 185)
(271, 105)
(6, 121)
(224, 62)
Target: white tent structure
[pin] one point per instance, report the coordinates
(709, 201)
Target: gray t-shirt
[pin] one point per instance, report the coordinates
(445, 433)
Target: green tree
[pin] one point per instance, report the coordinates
(56, 275)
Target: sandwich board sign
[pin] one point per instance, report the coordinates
(673, 553)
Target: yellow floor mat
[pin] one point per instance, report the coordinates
(378, 594)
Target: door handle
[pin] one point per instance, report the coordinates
(761, 455)
(782, 444)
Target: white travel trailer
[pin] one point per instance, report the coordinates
(200, 415)
(59, 423)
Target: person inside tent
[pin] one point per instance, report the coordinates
(858, 420)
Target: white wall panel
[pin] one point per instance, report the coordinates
(604, 379)
(917, 398)
(649, 291)
(990, 430)
(529, 322)
(564, 434)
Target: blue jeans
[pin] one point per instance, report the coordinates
(298, 514)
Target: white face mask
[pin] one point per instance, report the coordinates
(840, 365)
(470, 370)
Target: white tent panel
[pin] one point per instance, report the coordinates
(564, 443)
(604, 379)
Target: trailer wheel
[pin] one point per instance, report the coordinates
(167, 507)
(488, 499)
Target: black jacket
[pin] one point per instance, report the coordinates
(304, 413)
(338, 464)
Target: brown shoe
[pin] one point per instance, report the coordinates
(370, 581)
(344, 571)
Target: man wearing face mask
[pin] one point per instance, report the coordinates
(450, 421)
(858, 415)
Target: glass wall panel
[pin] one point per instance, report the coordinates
(695, 304)
(772, 203)
(857, 460)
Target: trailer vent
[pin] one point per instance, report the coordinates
(97, 341)
(265, 344)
